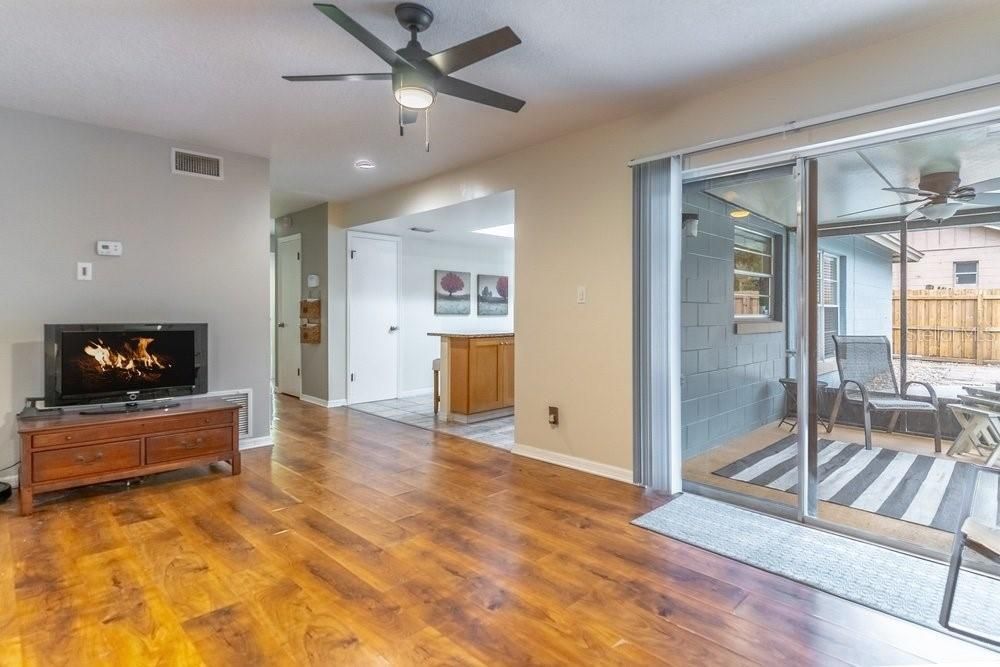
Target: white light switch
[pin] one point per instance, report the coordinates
(84, 271)
(581, 294)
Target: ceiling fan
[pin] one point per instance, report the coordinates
(418, 76)
(940, 195)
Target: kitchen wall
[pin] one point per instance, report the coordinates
(195, 250)
(574, 212)
(420, 258)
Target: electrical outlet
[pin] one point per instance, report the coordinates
(84, 271)
(553, 415)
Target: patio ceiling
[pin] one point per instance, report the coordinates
(848, 183)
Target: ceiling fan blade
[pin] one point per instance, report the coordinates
(866, 210)
(914, 215)
(380, 48)
(407, 116)
(913, 191)
(474, 50)
(984, 199)
(985, 186)
(341, 77)
(474, 93)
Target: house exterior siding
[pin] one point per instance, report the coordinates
(943, 247)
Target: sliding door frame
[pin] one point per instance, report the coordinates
(805, 159)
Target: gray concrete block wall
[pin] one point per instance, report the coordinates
(730, 381)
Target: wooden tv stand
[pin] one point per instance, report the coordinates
(73, 449)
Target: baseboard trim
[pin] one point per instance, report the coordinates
(574, 462)
(254, 443)
(336, 403)
(416, 392)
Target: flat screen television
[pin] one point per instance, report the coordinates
(112, 363)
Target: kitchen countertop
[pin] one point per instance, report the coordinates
(472, 335)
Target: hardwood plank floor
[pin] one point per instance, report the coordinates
(357, 540)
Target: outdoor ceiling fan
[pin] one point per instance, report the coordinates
(418, 76)
(940, 195)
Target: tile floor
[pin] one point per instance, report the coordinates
(419, 411)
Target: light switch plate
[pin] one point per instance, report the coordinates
(84, 271)
(581, 294)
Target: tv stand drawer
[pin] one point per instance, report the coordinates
(188, 445)
(87, 434)
(83, 461)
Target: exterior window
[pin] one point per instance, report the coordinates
(966, 274)
(829, 301)
(753, 281)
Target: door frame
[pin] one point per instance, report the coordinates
(351, 235)
(277, 311)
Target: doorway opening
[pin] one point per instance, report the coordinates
(454, 296)
(288, 294)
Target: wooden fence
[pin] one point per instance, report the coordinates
(950, 324)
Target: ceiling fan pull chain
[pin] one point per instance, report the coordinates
(427, 130)
(400, 119)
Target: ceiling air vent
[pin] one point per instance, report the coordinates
(196, 164)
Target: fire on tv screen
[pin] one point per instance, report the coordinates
(125, 361)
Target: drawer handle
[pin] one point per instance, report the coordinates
(85, 461)
(69, 437)
(191, 445)
(206, 421)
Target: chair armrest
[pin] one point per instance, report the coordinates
(861, 387)
(930, 390)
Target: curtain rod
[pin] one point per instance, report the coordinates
(794, 125)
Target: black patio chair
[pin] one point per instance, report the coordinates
(866, 363)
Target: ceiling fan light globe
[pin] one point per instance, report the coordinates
(414, 97)
(940, 211)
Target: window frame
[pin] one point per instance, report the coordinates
(771, 277)
(955, 273)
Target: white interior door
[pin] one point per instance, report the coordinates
(289, 292)
(373, 318)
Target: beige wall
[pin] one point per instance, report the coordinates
(943, 247)
(573, 212)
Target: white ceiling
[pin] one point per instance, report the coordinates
(207, 72)
(456, 223)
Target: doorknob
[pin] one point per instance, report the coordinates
(393, 329)
(281, 325)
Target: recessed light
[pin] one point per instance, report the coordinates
(739, 213)
(364, 164)
(506, 231)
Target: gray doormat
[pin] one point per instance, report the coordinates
(925, 490)
(890, 581)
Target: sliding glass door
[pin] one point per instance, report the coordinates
(738, 314)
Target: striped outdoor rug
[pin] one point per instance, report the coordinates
(920, 489)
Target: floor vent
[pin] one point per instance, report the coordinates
(242, 399)
(196, 164)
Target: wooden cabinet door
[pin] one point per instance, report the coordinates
(484, 374)
(507, 372)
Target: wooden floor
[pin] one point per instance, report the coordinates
(357, 540)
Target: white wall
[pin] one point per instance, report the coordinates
(419, 260)
(196, 250)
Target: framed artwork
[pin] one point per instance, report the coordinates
(492, 295)
(452, 293)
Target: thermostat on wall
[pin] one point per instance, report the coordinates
(110, 248)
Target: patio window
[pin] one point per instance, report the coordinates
(753, 281)
(829, 301)
(966, 274)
